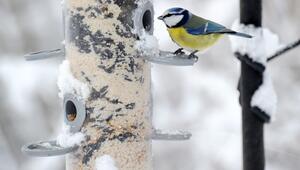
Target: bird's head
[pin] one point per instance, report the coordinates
(175, 17)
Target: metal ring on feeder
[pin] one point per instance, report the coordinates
(143, 18)
(74, 112)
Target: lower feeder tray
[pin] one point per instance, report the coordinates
(172, 135)
(46, 148)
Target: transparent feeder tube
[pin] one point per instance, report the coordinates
(100, 48)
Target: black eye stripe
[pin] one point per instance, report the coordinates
(168, 15)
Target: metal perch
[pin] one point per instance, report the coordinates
(165, 57)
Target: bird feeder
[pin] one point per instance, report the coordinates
(115, 112)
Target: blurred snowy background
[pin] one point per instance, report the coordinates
(202, 99)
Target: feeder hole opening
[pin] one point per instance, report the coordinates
(147, 20)
(71, 111)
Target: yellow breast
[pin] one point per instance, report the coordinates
(192, 42)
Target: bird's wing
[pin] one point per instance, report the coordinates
(201, 26)
(208, 28)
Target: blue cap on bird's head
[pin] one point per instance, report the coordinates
(175, 17)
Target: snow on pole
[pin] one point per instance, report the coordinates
(263, 44)
(100, 49)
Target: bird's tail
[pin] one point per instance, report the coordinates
(239, 34)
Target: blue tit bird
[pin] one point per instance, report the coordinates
(192, 32)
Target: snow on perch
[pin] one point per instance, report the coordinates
(105, 162)
(68, 139)
(67, 83)
(148, 45)
(263, 44)
(149, 48)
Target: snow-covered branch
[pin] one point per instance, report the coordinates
(284, 50)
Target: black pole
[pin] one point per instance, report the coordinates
(251, 79)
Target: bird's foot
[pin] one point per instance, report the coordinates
(193, 56)
(179, 52)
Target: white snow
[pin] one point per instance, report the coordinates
(148, 45)
(265, 96)
(67, 83)
(105, 162)
(263, 44)
(68, 139)
(46, 145)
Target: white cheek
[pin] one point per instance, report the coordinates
(173, 20)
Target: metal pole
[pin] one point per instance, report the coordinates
(251, 79)
(100, 49)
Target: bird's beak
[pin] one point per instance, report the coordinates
(160, 18)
